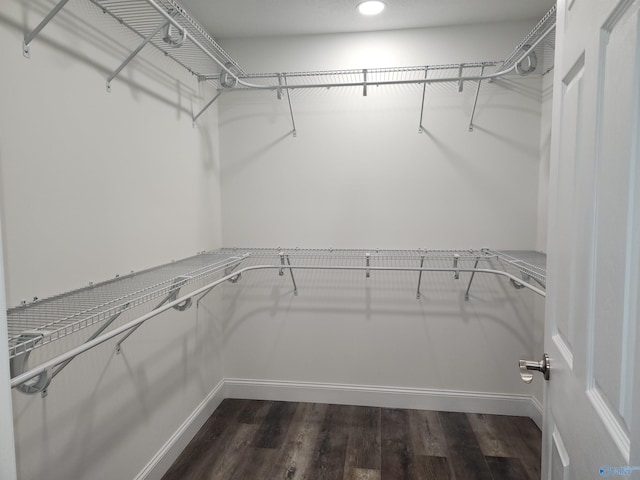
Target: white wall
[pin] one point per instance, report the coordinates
(358, 175)
(93, 185)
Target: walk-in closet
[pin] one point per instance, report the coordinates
(296, 239)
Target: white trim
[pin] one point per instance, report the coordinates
(389, 397)
(616, 430)
(174, 446)
(536, 411)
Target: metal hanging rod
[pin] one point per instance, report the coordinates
(60, 359)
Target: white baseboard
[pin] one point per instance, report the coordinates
(389, 397)
(535, 411)
(161, 461)
(373, 396)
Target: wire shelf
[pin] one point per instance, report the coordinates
(56, 317)
(528, 263)
(355, 77)
(524, 262)
(546, 23)
(143, 18)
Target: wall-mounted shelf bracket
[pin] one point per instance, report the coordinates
(466, 294)
(293, 120)
(227, 271)
(19, 364)
(165, 27)
(475, 101)
(41, 383)
(364, 82)
(460, 81)
(368, 260)
(211, 102)
(456, 274)
(420, 276)
(34, 33)
(424, 92)
(279, 89)
(173, 295)
(285, 258)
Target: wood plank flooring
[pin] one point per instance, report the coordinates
(263, 440)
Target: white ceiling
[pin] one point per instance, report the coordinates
(253, 18)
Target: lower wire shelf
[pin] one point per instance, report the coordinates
(43, 322)
(37, 324)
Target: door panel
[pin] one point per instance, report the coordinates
(594, 243)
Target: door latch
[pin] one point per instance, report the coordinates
(527, 367)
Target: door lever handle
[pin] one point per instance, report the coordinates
(528, 366)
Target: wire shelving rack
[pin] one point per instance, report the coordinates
(169, 27)
(36, 324)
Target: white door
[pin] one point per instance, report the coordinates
(592, 401)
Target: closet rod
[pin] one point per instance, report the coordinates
(46, 366)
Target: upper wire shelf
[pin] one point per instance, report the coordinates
(144, 17)
(527, 263)
(44, 321)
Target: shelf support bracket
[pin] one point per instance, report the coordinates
(460, 82)
(364, 83)
(293, 121)
(285, 258)
(456, 274)
(34, 33)
(206, 106)
(227, 271)
(173, 294)
(475, 101)
(279, 89)
(420, 277)
(42, 382)
(131, 56)
(368, 260)
(424, 92)
(466, 294)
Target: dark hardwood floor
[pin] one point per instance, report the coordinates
(262, 440)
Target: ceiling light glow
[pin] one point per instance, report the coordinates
(371, 7)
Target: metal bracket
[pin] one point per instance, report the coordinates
(424, 92)
(229, 270)
(173, 294)
(460, 82)
(163, 26)
(228, 78)
(368, 260)
(420, 277)
(456, 274)
(364, 86)
(19, 364)
(34, 33)
(466, 294)
(518, 286)
(293, 121)
(167, 34)
(475, 101)
(532, 62)
(205, 107)
(284, 258)
(279, 90)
